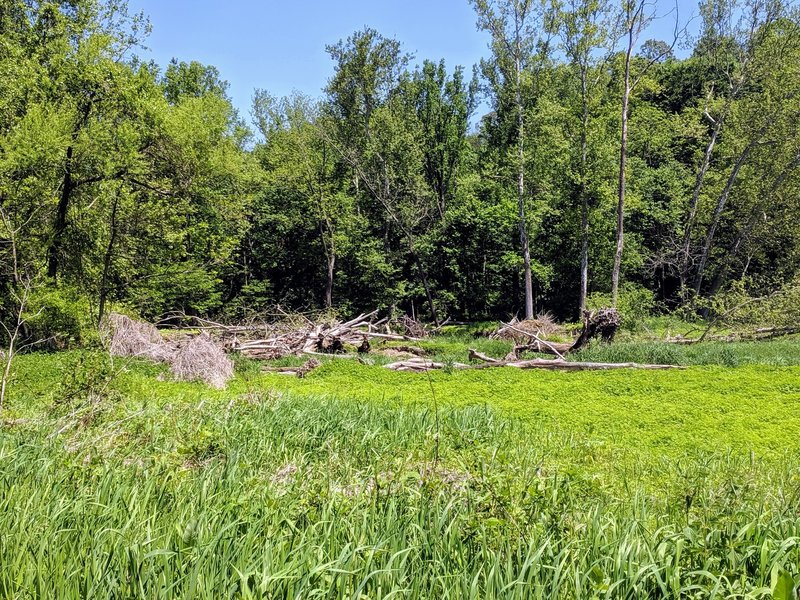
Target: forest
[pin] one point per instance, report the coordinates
(605, 168)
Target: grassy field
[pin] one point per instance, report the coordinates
(359, 482)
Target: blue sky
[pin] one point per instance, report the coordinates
(280, 45)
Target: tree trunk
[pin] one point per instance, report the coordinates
(583, 197)
(687, 234)
(107, 261)
(623, 158)
(721, 202)
(60, 224)
(523, 225)
(744, 234)
(331, 256)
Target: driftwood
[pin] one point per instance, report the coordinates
(314, 338)
(420, 365)
(300, 372)
(602, 323)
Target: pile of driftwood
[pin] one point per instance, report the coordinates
(529, 335)
(300, 335)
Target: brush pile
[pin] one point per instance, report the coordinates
(128, 337)
(195, 358)
(293, 339)
(200, 359)
(543, 326)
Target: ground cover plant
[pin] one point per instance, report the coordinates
(359, 482)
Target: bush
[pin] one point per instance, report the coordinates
(59, 317)
(635, 304)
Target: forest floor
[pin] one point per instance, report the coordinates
(361, 482)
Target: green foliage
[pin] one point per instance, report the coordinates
(635, 304)
(59, 317)
(142, 186)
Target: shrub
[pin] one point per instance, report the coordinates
(59, 317)
(635, 304)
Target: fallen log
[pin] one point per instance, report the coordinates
(300, 372)
(419, 365)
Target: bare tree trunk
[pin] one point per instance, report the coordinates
(693, 203)
(721, 202)
(623, 158)
(13, 334)
(329, 283)
(523, 225)
(584, 198)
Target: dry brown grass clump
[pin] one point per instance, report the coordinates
(543, 326)
(193, 359)
(128, 337)
(200, 359)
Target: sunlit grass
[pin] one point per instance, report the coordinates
(359, 482)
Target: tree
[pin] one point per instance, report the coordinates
(520, 32)
(636, 17)
(295, 133)
(586, 31)
(730, 38)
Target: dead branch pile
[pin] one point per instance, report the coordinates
(195, 358)
(128, 337)
(314, 338)
(200, 359)
(602, 323)
(412, 327)
(543, 326)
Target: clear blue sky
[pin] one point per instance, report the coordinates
(280, 45)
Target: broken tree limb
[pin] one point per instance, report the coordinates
(300, 372)
(475, 355)
(420, 365)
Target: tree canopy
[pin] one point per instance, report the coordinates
(125, 183)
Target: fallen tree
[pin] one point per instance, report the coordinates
(602, 323)
(421, 365)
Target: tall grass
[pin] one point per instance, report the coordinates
(777, 353)
(290, 497)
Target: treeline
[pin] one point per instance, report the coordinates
(605, 166)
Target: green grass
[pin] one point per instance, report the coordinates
(728, 354)
(359, 482)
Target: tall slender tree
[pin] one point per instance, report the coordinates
(521, 32)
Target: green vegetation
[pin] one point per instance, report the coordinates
(139, 187)
(362, 482)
